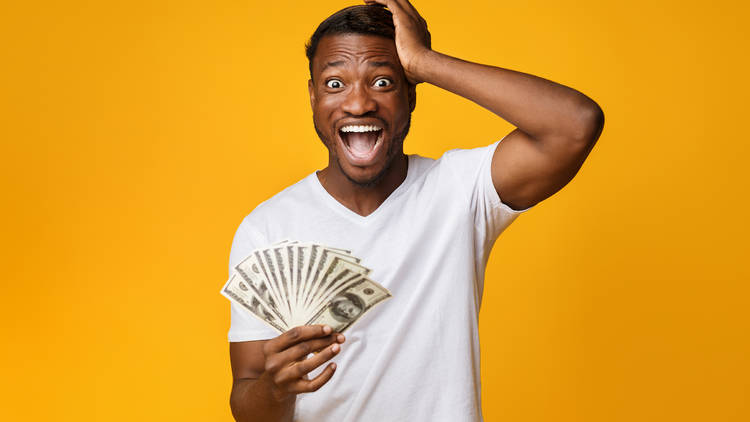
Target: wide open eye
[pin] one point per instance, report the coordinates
(334, 83)
(383, 82)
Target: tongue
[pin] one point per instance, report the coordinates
(361, 143)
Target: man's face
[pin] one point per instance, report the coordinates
(361, 104)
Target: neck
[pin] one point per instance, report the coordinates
(363, 200)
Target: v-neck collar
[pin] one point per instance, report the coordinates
(351, 215)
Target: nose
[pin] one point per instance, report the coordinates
(358, 101)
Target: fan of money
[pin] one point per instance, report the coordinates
(292, 283)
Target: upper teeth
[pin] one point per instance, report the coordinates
(353, 128)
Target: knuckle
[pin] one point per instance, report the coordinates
(295, 333)
(301, 388)
(272, 365)
(323, 345)
(301, 370)
(304, 348)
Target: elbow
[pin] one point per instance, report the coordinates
(589, 123)
(238, 400)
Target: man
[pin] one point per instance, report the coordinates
(424, 226)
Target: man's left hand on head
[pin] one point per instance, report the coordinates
(413, 40)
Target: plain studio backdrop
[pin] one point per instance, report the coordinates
(136, 136)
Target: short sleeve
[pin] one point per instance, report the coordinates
(472, 170)
(244, 326)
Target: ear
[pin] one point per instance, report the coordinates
(311, 91)
(412, 92)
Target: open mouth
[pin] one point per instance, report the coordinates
(362, 142)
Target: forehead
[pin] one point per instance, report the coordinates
(343, 49)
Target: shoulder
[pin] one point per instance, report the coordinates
(278, 206)
(256, 228)
(420, 165)
(468, 156)
(462, 163)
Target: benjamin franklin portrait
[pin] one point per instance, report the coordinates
(347, 307)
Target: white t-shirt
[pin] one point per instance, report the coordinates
(414, 357)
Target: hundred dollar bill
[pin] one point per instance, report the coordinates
(338, 273)
(350, 304)
(321, 275)
(268, 270)
(255, 275)
(277, 261)
(298, 258)
(239, 292)
(311, 260)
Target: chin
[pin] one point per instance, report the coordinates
(365, 179)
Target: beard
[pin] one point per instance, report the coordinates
(396, 144)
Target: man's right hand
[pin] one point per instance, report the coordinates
(268, 374)
(287, 365)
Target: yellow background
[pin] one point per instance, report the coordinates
(136, 135)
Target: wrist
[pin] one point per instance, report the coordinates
(416, 70)
(422, 66)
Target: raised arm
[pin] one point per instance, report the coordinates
(557, 126)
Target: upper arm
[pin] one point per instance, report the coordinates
(248, 361)
(526, 171)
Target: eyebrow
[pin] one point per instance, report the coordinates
(383, 64)
(372, 64)
(332, 64)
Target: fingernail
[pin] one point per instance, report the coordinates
(326, 329)
(333, 365)
(340, 338)
(335, 348)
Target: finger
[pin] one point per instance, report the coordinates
(407, 6)
(393, 5)
(294, 336)
(420, 27)
(307, 386)
(278, 361)
(380, 2)
(300, 369)
(298, 351)
(404, 13)
(412, 11)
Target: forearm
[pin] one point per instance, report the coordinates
(251, 400)
(541, 108)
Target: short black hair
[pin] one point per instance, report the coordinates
(361, 19)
